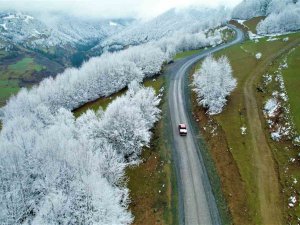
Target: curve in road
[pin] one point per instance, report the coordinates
(197, 203)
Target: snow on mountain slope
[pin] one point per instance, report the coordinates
(189, 20)
(53, 29)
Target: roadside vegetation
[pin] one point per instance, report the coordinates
(184, 54)
(241, 163)
(151, 183)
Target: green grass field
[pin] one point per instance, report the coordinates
(95, 105)
(243, 61)
(7, 88)
(284, 150)
(291, 77)
(184, 54)
(252, 23)
(227, 35)
(11, 75)
(26, 64)
(156, 83)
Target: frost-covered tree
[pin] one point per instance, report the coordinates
(251, 8)
(58, 170)
(148, 58)
(283, 19)
(248, 9)
(213, 82)
(281, 15)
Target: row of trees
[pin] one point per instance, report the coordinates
(189, 41)
(58, 170)
(104, 75)
(213, 82)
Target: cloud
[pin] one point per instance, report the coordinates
(107, 8)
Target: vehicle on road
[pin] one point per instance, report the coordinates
(182, 129)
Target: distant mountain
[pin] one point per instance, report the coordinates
(54, 29)
(56, 35)
(184, 20)
(33, 47)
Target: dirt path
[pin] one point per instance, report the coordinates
(267, 177)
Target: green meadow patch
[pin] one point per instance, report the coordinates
(184, 54)
(7, 88)
(12, 73)
(156, 83)
(291, 76)
(25, 64)
(252, 23)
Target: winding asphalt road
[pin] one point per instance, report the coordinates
(197, 204)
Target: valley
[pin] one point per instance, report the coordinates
(91, 98)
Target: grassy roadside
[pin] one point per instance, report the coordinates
(152, 182)
(292, 82)
(156, 83)
(285, 152)
(153, 200)
(184, 54)
(231, 150)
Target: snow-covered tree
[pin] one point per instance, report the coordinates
(251, 8)
(213, 82)
(58, 170)
(281, 20)
(282, 15)
(148, 58)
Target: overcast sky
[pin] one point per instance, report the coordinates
(109, 8)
